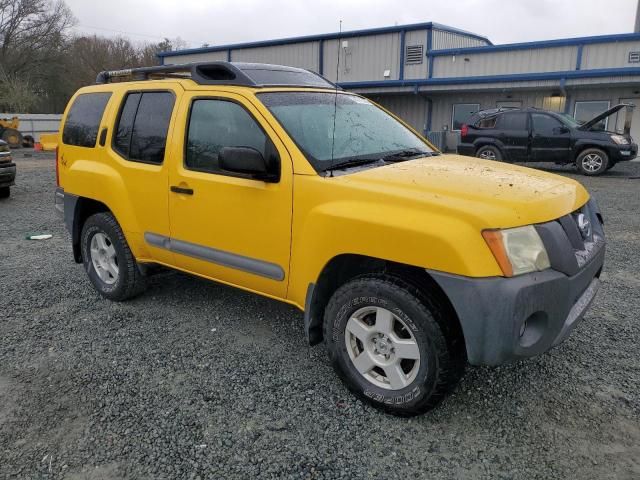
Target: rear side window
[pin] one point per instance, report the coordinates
(513, 121)
(141, 132)
(215, 124)
(489, 122)
(83, 120)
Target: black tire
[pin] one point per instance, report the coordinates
(129, 281)
(592, 162)
(5, 192)
(489, 152)
(13, 137)
(28, 141)
(442, 357)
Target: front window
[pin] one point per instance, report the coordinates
(335, 129)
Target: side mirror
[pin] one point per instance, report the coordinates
(561, 130)
(244, 160)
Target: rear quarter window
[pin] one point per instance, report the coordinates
(83, 120)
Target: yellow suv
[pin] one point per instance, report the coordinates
(409, 264)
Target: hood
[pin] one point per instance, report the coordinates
(598, 118)
(490, 194)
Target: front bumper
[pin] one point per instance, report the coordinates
(506, 319)
(7, 174)
(624, 152)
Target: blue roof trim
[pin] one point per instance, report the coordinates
(325, 36)
(516, 77)
(563, 42)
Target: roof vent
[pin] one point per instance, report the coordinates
(414, 54)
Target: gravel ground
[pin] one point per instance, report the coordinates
(198, 380)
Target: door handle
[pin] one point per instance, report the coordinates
(182, 190)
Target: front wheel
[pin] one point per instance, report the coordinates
(106, 256)
(489, 152)
(592, 161)
(390, 344)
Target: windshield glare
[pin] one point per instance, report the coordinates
(362, 130)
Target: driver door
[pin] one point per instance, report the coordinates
(227, 226)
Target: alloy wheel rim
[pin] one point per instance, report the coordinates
(592, 162)
(104, 258)
(382, 348)
(488, 155)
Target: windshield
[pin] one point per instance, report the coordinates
(363, 131)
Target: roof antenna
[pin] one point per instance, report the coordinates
(335, 103)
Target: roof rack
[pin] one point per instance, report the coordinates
(223, 73)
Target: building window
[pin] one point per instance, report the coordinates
(461, 113)
(413, 54)
(585, 111)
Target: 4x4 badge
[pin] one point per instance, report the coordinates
(584, 225)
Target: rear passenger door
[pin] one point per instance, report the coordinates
(514, 135)
(551, 140)
(137, 145)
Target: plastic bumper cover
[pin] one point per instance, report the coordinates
(506, 319)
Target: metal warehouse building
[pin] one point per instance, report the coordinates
(435, 76)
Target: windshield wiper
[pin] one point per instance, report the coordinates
(353, 163)
(406, 154)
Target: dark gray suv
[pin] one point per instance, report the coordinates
(533, 135)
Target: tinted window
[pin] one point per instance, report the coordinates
(461, 114)
(215, 124)
(141, 133)
(122, 140)
(488, 122)
(513, 121)
(544, 124)
(83, 120)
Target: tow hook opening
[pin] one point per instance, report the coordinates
(533, 328)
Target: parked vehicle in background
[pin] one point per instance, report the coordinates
(7, 170)
(533, 135)
(10, 133)
(270, 179)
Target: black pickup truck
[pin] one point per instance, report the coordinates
(7, 170)
(534, 135)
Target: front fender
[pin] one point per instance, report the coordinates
(403, 235)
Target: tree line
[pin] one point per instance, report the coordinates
(42, 63)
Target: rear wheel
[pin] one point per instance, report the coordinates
(489, 152)
(12, 137)
(592, 161)
(5, 192)
(109, 263)
(390, 345)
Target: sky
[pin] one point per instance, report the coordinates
(217, 22)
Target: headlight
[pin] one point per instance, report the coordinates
(619, 139)
(517, 250)
(4, 148)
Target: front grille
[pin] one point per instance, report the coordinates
(584, 230)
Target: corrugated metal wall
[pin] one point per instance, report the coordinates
(607, 55)
(196, 57)
(365, 58)
(411, 108)
(443, 40)
(302, 55)
(417, 37)
(513, 61)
